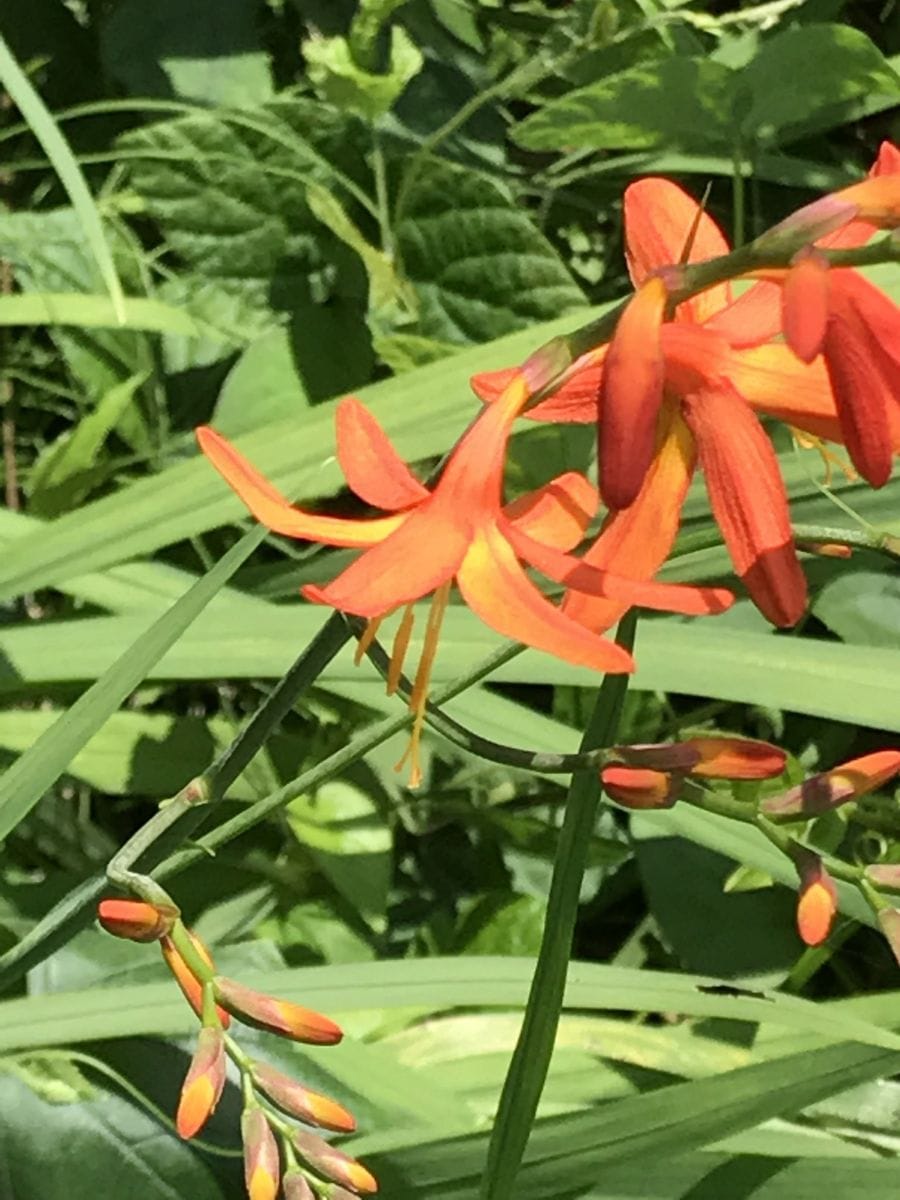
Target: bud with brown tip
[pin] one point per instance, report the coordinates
(296, 1186)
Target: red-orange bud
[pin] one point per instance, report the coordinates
(203, 1083)
(191, 987)
(136, 920)
(262, 1166)
(804, 304)
(639, 787)
(889, 920)
(829, 789)
(296, 1100)
(817, 901)
(884, 875)
(736, 758)
(277, 1016)
(334, 1164)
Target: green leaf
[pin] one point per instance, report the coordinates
(57, 149)
(862, 607)
(68, 469)
(94, 312)
(210, 52)
(263, 386)
(479, 265)
(679, 103)
(340, 81)
(42, 764)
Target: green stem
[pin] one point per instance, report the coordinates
(531, 1058)
(738, 196)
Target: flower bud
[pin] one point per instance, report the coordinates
(278, 1016)
(817, 900)
(736, 758)
(333, 1164)
(884, 875)
(297, 1101)
(829, 789)
(889, 920)
(804, 304)
(295, 1186)
(262, 1166)
(203, 1084)
(136, 920)
(639, 787)
(190, 985)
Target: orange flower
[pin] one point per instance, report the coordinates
(830, 789)
(459, 530)
(203, 1083)
(262, 1166)
(278, 1016)
(135, 919)
(717, 370)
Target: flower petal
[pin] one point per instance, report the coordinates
(557, 513)
(804, 305)
(636, 541)
(754, 317)
(269, 507)
(371, 465)
(576, 400)
(659, 217)
(774, 381)
(421, 555)
(631, 395)
(496, 588)
(748, 500)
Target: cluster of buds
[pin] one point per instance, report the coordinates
(277, 1153)
(655, 776)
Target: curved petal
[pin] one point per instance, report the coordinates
(774, 381)
(496, 588)
(748, 500)
(423, 553)
(580, 576)
(576, 400)
(636, 541)
(631, 395)
(804, 305)
(270, 508)
(557, 513)
(659, 218)
(754, 317)
(371, 465)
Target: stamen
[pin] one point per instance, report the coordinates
(808, 441)
(367, 637)
(399, 648)
(419, 696)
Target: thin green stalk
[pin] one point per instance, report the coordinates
(531, 1058)
(738, 198)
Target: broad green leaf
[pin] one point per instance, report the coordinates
(210, 52)
(680, 103)
(57, 149)
(68, 468)
(479, 265)
(263, 386)
(42, 764)
(862, 607)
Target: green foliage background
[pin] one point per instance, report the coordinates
(237, 211)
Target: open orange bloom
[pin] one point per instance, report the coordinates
(686, 390)
(459, 530)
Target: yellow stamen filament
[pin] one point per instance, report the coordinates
(367, 637)
(419, 696)
(808, 441)
(399, 648)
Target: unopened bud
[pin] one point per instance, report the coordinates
(296, 1186)
(334, 1164)
(639, 787)
(277, 1016)
(262, 1166)
(296, 1100)
(884, 875)
(804, 304)
(736, 758)
(203, 1084)
(191, 986)
(832, 788)
(817, 899)
(889, 920)
(136, 920)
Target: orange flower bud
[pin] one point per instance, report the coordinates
(191, 987)
(136, 920)
(278, 1016)
(296, 1100)
(827, 549)
(262, 1166)
(817, 901)
(832, 788)
(884, 875)
(203, 1083)
(332, 1163)
(804, 304)
(295, 1186)
(889, 920)
(639, 787)
(736, 758)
